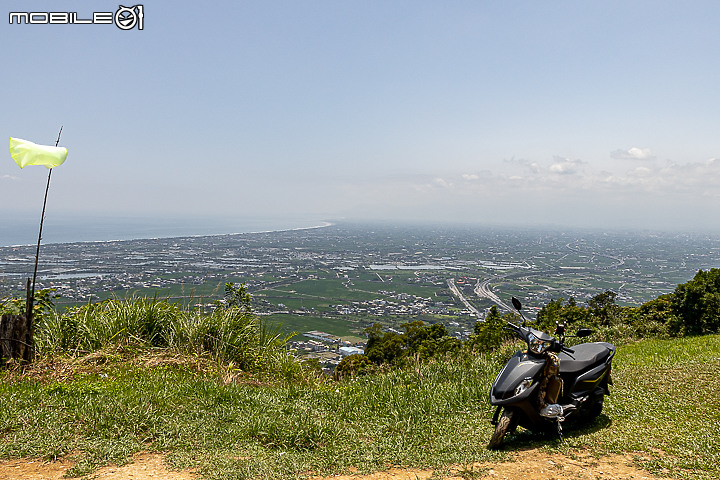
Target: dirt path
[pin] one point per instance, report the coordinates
(144, 467)
(533, 464)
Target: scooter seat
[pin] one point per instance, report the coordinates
(586, 355)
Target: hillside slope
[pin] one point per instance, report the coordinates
(430, 420)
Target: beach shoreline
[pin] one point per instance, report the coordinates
(140, 236)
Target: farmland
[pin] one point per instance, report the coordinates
(344, 277)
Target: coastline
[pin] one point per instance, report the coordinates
(322, 224)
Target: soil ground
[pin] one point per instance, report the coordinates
(533, 463)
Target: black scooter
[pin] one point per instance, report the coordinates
(584, 369)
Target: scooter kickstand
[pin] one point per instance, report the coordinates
(558, 424)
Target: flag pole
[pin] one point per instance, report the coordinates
(31, 296)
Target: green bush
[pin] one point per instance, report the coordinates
(490, 333)
(351, 365)
(43, 304)
(426, 341)
(696, 305)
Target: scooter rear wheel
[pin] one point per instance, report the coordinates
(594, 409)
(502, 428)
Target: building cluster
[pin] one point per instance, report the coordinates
(326, 348)
(402, 304)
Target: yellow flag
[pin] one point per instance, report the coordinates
(28, 153)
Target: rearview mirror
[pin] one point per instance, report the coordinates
(516, 303)
(584, 332)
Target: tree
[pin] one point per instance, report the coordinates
(491, 333)
(447, 345)
(653, 317)
(374, 334)
(351, 365)
(567, 314)
(603, 308)
(415, 334)
(425, 340)
(383, 347)
(697, 304)
(237, 296)
(551, 314)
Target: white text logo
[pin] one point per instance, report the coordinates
(125, 18)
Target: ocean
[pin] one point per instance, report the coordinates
(69, 229)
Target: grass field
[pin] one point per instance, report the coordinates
(104, 407)
(342, 327)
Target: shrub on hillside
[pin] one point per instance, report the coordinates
(653, 318)
(696, 305)
(426, 341)
(43, 303)
(351, 365)
(490, 333)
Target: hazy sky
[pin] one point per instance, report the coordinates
(574, 112)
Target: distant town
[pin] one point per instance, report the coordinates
(338, 280)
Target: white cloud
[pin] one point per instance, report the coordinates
(441, 182)
(564, 166)
(633, 153)
(8, 177)
(544, 191)
(420, 183)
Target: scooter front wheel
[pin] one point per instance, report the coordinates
(502, 428)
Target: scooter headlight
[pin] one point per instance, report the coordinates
(536, 345)
(524, 385)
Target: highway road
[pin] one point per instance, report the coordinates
(482, 287)
(482, 290)
(456, 291)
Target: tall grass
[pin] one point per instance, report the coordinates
(226, 334)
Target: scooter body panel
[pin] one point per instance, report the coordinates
(522, 368)
(518, 369)
(596, 371)
(588, 381)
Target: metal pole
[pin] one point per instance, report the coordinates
(37, 251)
(31, 297)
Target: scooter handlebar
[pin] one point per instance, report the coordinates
(511, 327)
